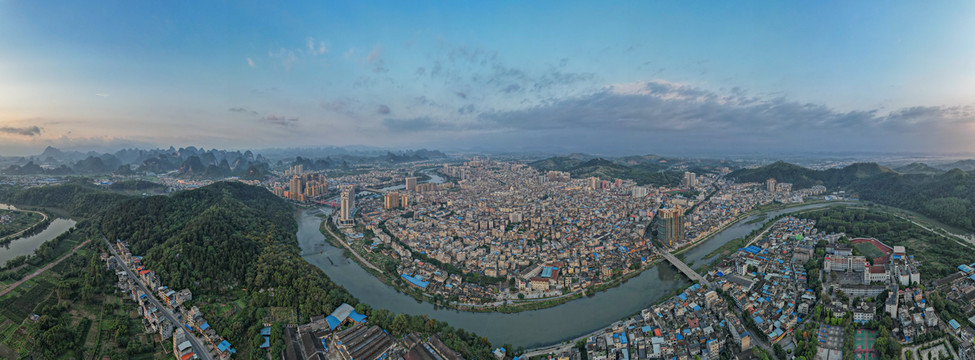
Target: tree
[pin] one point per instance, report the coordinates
(779, 351)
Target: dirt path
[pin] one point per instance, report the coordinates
(42, 270)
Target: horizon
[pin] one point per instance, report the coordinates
(521, 78)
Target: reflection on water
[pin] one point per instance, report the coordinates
(530, 328)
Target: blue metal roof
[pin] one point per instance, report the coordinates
(357, 317)
(333, 322)
(223, 346)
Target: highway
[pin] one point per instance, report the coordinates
(197, 346)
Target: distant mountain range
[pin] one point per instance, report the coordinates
(189, 162)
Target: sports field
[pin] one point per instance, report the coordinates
(863, 342)
(868, 250)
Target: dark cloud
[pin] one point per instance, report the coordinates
(375, 60)
(689, 116)
(382, 109)
(513, 88)
(461, 94)
(242, 110)
(418, 124)
(563, 62)
(467, 109)
(25, 131)
(345, 106)
(280, 120)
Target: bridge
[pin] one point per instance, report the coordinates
(680, 265)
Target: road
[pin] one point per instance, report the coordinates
(197, 345)
(341, 240)
(693, 275)
(42, 270)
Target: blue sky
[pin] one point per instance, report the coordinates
(623, 77)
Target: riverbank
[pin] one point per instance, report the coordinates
(506, 306)
(37, 226)
(516, 306)
(537, 328)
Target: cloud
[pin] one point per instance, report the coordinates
(423, 123)
(251, 63)
(345, 106)
(315, 49)
(382, 110)
(662, 112)
(101, 94)
(280, 120)
(375, 59)
(23, 131)
(242, 110)
(287, 57)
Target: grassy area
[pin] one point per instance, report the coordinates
(19, 221)
(938, 254)
(868, 250)
(17, 307)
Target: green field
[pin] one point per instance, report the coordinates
(868, 250)
(17, 308)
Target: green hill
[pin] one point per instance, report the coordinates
(918, 168)
(235, 246)
(644, 170)
(801, 177)
(947, 197)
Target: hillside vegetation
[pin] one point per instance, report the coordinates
(642, 170)
(235, 246)
(947, 197)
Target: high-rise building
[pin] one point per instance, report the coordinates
(348, 206)
(411, 183)
(594, 183)
(295, 186)
(770, 185)
(391, 200)
(690, 179)
(670, 225)
(640, 191)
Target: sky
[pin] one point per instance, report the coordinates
(621, 77)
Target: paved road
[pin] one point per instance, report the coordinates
(42, 270)
(201, 351)
(684, 268)
(341, 240)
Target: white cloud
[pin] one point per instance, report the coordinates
(250, 62)
(313, 48)
(101, 94)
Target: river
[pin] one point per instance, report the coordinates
(529, 328)
(27, 245)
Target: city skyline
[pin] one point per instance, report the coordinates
(628, 78)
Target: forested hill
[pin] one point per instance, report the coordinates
(948, 197)
(78, 197)
(801, 177)
(643, 172)
(236, 243)
(211, 235)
